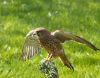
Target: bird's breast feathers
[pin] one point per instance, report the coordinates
(51, 44)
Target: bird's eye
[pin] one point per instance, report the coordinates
(38, 33)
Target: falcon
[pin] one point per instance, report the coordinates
(52, 43)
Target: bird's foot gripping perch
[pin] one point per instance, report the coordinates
(48, 58)
(49, 69)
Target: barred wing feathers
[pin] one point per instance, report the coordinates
(31, 47)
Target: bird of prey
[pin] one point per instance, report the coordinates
(51, 42)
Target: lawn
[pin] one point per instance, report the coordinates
(18, 17)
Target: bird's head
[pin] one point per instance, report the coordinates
(39, 32)
(42, 32)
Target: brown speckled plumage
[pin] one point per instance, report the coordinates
(51, 42)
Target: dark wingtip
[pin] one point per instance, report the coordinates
(96, 49)
(72, 68)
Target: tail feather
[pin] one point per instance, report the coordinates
(66, 61)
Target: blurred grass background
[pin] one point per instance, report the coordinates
(17, 17)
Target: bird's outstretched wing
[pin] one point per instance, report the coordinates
(31, 46)
(65, 36)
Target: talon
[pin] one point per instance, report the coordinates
(46, 59)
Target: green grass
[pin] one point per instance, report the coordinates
(17, 17)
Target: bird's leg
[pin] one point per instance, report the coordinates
(49, 56)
